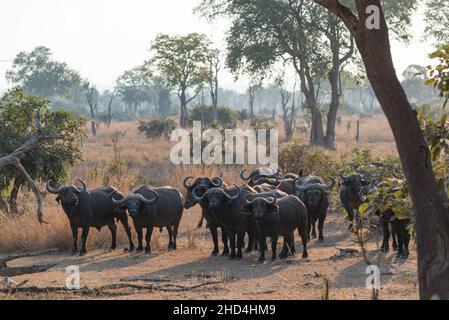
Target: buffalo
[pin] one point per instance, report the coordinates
(398, 226)
(202, 185)
(278, 217)
(153, 207)
(350, 194)
(226, 205)
(265, 175)
(90, 208)
(315, 195)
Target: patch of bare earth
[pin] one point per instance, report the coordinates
(191, 273)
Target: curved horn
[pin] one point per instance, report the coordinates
(83, 186)
(145, 200)
(234, 197)
(217, 182)
(195, 196)
(50, 189)
(343, 176)
(270, 200)
(249, 201)
(186, 185)
(117, 203)
(242, 174)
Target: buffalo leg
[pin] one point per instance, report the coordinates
(224, 239)
(394, 236)
(148, 239)
(313, 229)
(75, 238)
(84, 235)
(303, 234)
(139, 231)
(251, 243)
(175, 231)
(350, 218)
(262, 243)
(386, 238)
(113, 228)
(214, 233)
(320, 228)
(274, 243)
(232, 244)
(124, 221)
(240, 244)
(170, 237)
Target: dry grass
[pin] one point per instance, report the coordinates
(147, 162)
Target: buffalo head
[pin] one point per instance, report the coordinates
(204, 183)
(68, 195)
(134, 202)
(313, 193)
(260, 207)
(214, 197)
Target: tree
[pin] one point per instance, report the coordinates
(415, 77)
(111, 100)
(288, 114)
(48, 160)
(40, 75)
(436, 17)
(92, 100)
(214, 62)
(254, 86)
(133, 86)
(181, 61)
(432, 226)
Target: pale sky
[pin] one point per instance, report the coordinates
(102, 38)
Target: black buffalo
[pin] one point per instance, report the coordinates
(265, 175)
(90, 208)
(278, 217)
(152, 207)
(315, 195)
(399, 227)
(213, 223)
(350, 194)
(226, 205)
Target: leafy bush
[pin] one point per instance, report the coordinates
(156, 128)
(294, 157)
(225, 116)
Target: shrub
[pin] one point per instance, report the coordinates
(226, 116)
(156, 128)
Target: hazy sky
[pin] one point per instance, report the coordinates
(103, 38)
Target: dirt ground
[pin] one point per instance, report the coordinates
(191, 273)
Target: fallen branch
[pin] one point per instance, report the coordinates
(15, 157)
(6, 271)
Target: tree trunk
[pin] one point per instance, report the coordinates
(432, 225)
(13, 197)
(334, 75)
(184, 117)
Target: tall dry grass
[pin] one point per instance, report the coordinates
(144, 161)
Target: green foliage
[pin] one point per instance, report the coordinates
(226, 116)
(50, 159)
(439, 75)
(436, 17)
(133, 86)
(392, 194)
(294, 157)
(156, 128)
(243, 115)
(181, 60)
(40, 75)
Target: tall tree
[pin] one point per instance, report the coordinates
(436, 17)
(182, 61)
(254, 86)
(111, 100)
(134, 88)
(39, 74)
(214, 62)
(92, 100)
(432, 225)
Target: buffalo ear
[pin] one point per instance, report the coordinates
(247, 209)
(273, 209)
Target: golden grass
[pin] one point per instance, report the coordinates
(147, 162)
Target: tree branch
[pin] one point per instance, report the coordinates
(14, 160)
(345, 13)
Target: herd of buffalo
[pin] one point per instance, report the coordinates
(269, 204)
